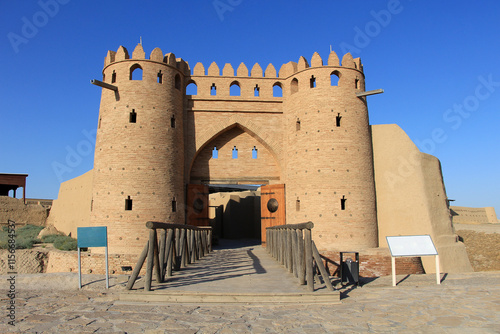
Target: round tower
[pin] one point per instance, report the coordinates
(330, 178)
(139, 153)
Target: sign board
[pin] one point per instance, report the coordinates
(96, 236)
(92, 236)
(411, 245)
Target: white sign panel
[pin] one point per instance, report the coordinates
(411, 245)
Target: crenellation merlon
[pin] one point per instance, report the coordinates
(287, 70)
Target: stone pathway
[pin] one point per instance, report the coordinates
(463, 303)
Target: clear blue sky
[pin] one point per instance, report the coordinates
(438, 62)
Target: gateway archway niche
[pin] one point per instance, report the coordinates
(226, 175)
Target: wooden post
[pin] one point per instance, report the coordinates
(289, 249)
(149, 262)
(183, 248)
(309, 259)
(300, 259)
(168, 253)
(138, 267)
(438, 274)
(322, 269)
(156, 263)
(163, 237)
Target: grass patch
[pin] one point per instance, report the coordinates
(26, 237)
(61, 242)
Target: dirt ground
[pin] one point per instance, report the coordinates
(482, 243)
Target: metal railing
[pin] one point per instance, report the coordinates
(175, 248)
(293, 247)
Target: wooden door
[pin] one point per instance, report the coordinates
(272, 207)
(197, 205)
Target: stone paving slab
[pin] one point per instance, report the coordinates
(463, 303)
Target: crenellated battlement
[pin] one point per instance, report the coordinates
(286, 70)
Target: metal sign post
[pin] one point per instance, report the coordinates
(412, 245)
(92, 237)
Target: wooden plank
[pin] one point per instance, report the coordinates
(138, 267)
(308, 259)
(321, 267)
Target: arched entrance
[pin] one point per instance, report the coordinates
(223, 178)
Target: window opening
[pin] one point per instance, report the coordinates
(174, 205)
(160, 77)
(297, 205)
(256, 91)
(234, 89)
(235, 153)
(312, 82)
(133, 116)
(215, 153)
(172, 121)
(356, 83)
(136, 72)
(294, 86)
(277, 90)
(338, 118)
(334, 78)
(213, 90)
(342, 202)
(297, 125)
(99, 126)
(192, 89)
(128, 204)
(254, 153)
(113, 77)
(178, 82)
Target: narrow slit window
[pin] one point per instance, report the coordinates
(256, 91)
(113, 77)
(215, 153)
(133, 116)
(99, 126)
(338, 118)
(297, 205)
(312, 82)
(342, 203)
(160, 77)
(178, 82)
(128, 204)
(356, 83)
(213, 90)
(172, 121)
(297, 125)
(174, 205)
(235, 153)
(254, 153)
(294, 86)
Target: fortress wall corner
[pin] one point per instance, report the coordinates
(73, 205)
(411, 198)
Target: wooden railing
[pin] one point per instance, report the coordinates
(293, 247)
(175, 248)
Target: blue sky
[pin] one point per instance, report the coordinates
(437, 61)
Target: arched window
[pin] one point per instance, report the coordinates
(235, 153)
(113, 77)
(294, 86)
(136, 72)
(178, 82)
(213, 90)
(215, 153)
(277, 90)
(192, 88)
(160, 77)
(334, 78)
(254, 153)
(234, 89)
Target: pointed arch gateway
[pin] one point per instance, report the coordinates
(246, 167)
